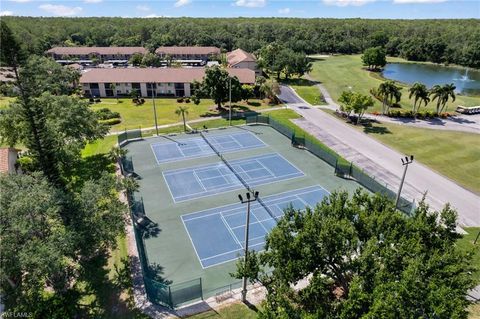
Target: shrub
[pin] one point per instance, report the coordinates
(187, 100)
(395, 113)
(142, 101)
(98, 100)
(408, 114)
(180, 100)
(111, 122)
(26, 164)
(106, 114)
(91, 100)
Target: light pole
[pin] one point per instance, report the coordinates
(405, 162)
(230, 101)
(154, 107)
(247, 228)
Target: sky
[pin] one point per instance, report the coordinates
(382, 9)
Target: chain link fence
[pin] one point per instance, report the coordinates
(342, 167)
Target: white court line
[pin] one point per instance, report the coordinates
(260, 183)
(230, 230)
(206, 148)
(228, 252)
(198, 180)
(235, 207)
(231, 259)
(195, 249)
(268, 170)
(266, 231)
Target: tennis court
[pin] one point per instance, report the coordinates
(211, 179)
(218, 234)
(197, 147)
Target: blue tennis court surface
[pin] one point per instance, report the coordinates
(194, 182)
(197, 147)
(218, 234)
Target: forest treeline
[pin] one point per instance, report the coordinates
(439, 41)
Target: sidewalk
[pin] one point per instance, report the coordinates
(143, 129)
(383, 162)
(462, 123)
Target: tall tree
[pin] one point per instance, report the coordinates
(356, 102)
(65, 125)
(361, 258)
(37, 247)
(420, 93)
(442, 94)
(388, 92)
(374, 58)
(182, 111)
(270, 89)
(216, 85)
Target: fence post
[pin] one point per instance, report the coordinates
(201, 288)
(350, 170)
(336, 162)
(170, 301)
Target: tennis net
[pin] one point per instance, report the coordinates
(240, 178)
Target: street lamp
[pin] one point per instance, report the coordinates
(230, 100)
(154, 107)
(405, 162)
(247, 228)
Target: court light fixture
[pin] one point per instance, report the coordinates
(407, 160)
(247, 229)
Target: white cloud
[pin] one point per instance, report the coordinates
(6, 13)
(284, 11)
(344, 3)
(92, 1)
(181, 3)
(153, 15)
(417, 1)
(251, 3)
(143, 8)
(60, 10)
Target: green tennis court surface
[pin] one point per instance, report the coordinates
(225, 240)
(191, 194)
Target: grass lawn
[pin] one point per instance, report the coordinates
(344, 72)
(4, 101)
(234, 311)
(134, 116)
(307, 90)
(466, 244)
(455, 155)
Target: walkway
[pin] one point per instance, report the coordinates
(384, 162)
(463, 123)
(151, 128)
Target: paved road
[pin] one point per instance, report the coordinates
(463, 123)
(364, 149)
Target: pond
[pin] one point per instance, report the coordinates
(467, 81)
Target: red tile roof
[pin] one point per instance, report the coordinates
(238, 56)
(157, 75)
(98, 50)
(188, 50)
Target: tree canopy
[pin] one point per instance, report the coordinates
(358, 257)
(374, 58)
(446, 41)
(216, 85)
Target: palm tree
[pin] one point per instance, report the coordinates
(420, 92)
(113, 87)
(116, 153)
(442, 94)
(389, 91)
(182, 110)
